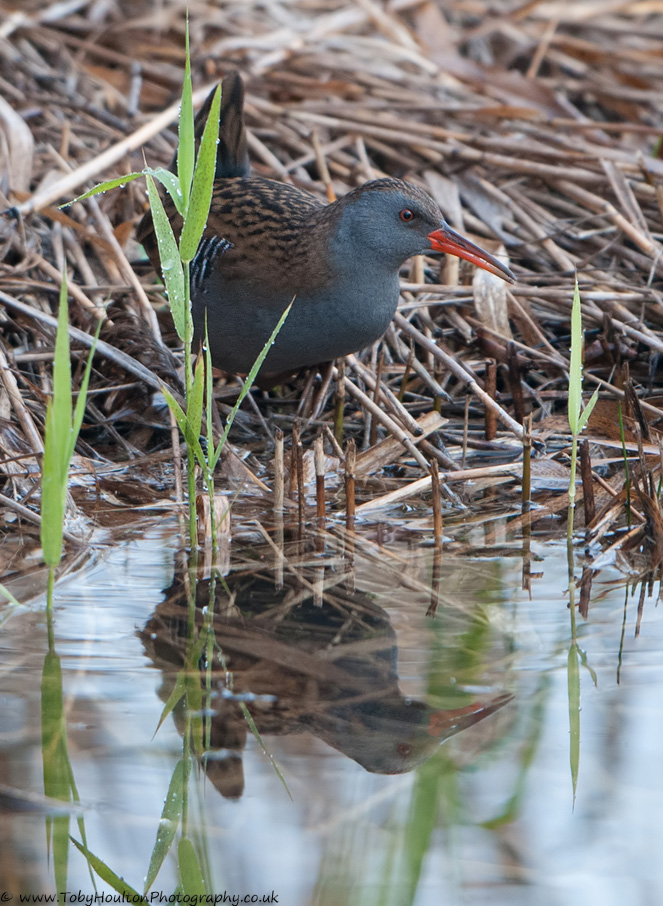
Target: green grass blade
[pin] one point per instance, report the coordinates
(186, 148)
(62, 403)
(575, 368)
(53, 496)
(191, 877)
(57, 441)
(102, 187)
(79, 410)
(587, 411)
(170, 819)
(248, 383)
(108, 875)
(209, 389)
(193, 440)
(171, 184)
(171, 265)
(203, 180)
(194, 411)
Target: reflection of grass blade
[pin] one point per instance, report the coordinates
(574, 713)
(588, 667)
(106, 874)
(170, 819)
(248, 383)
(256, 733)
(431, 783)
(191, 877)
(57, 770)
(178, 691)
(194, 692)
(532, 739)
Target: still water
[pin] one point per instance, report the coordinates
(408, 738)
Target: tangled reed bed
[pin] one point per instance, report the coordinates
(537, 128)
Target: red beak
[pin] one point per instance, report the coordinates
(447, 240)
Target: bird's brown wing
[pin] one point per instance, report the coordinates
(267, 228)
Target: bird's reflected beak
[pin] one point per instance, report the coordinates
(447, 240)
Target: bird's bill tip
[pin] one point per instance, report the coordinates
(447, 240)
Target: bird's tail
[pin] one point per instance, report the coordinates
(232, 158)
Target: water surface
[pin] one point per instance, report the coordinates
(348, 674)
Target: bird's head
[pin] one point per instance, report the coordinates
(393, 220)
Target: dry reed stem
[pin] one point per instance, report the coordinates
(279, 476)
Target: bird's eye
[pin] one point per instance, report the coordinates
(407, 215)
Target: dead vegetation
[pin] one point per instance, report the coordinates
(536, 126)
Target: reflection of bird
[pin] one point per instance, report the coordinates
(330, 670)
(267, 242)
